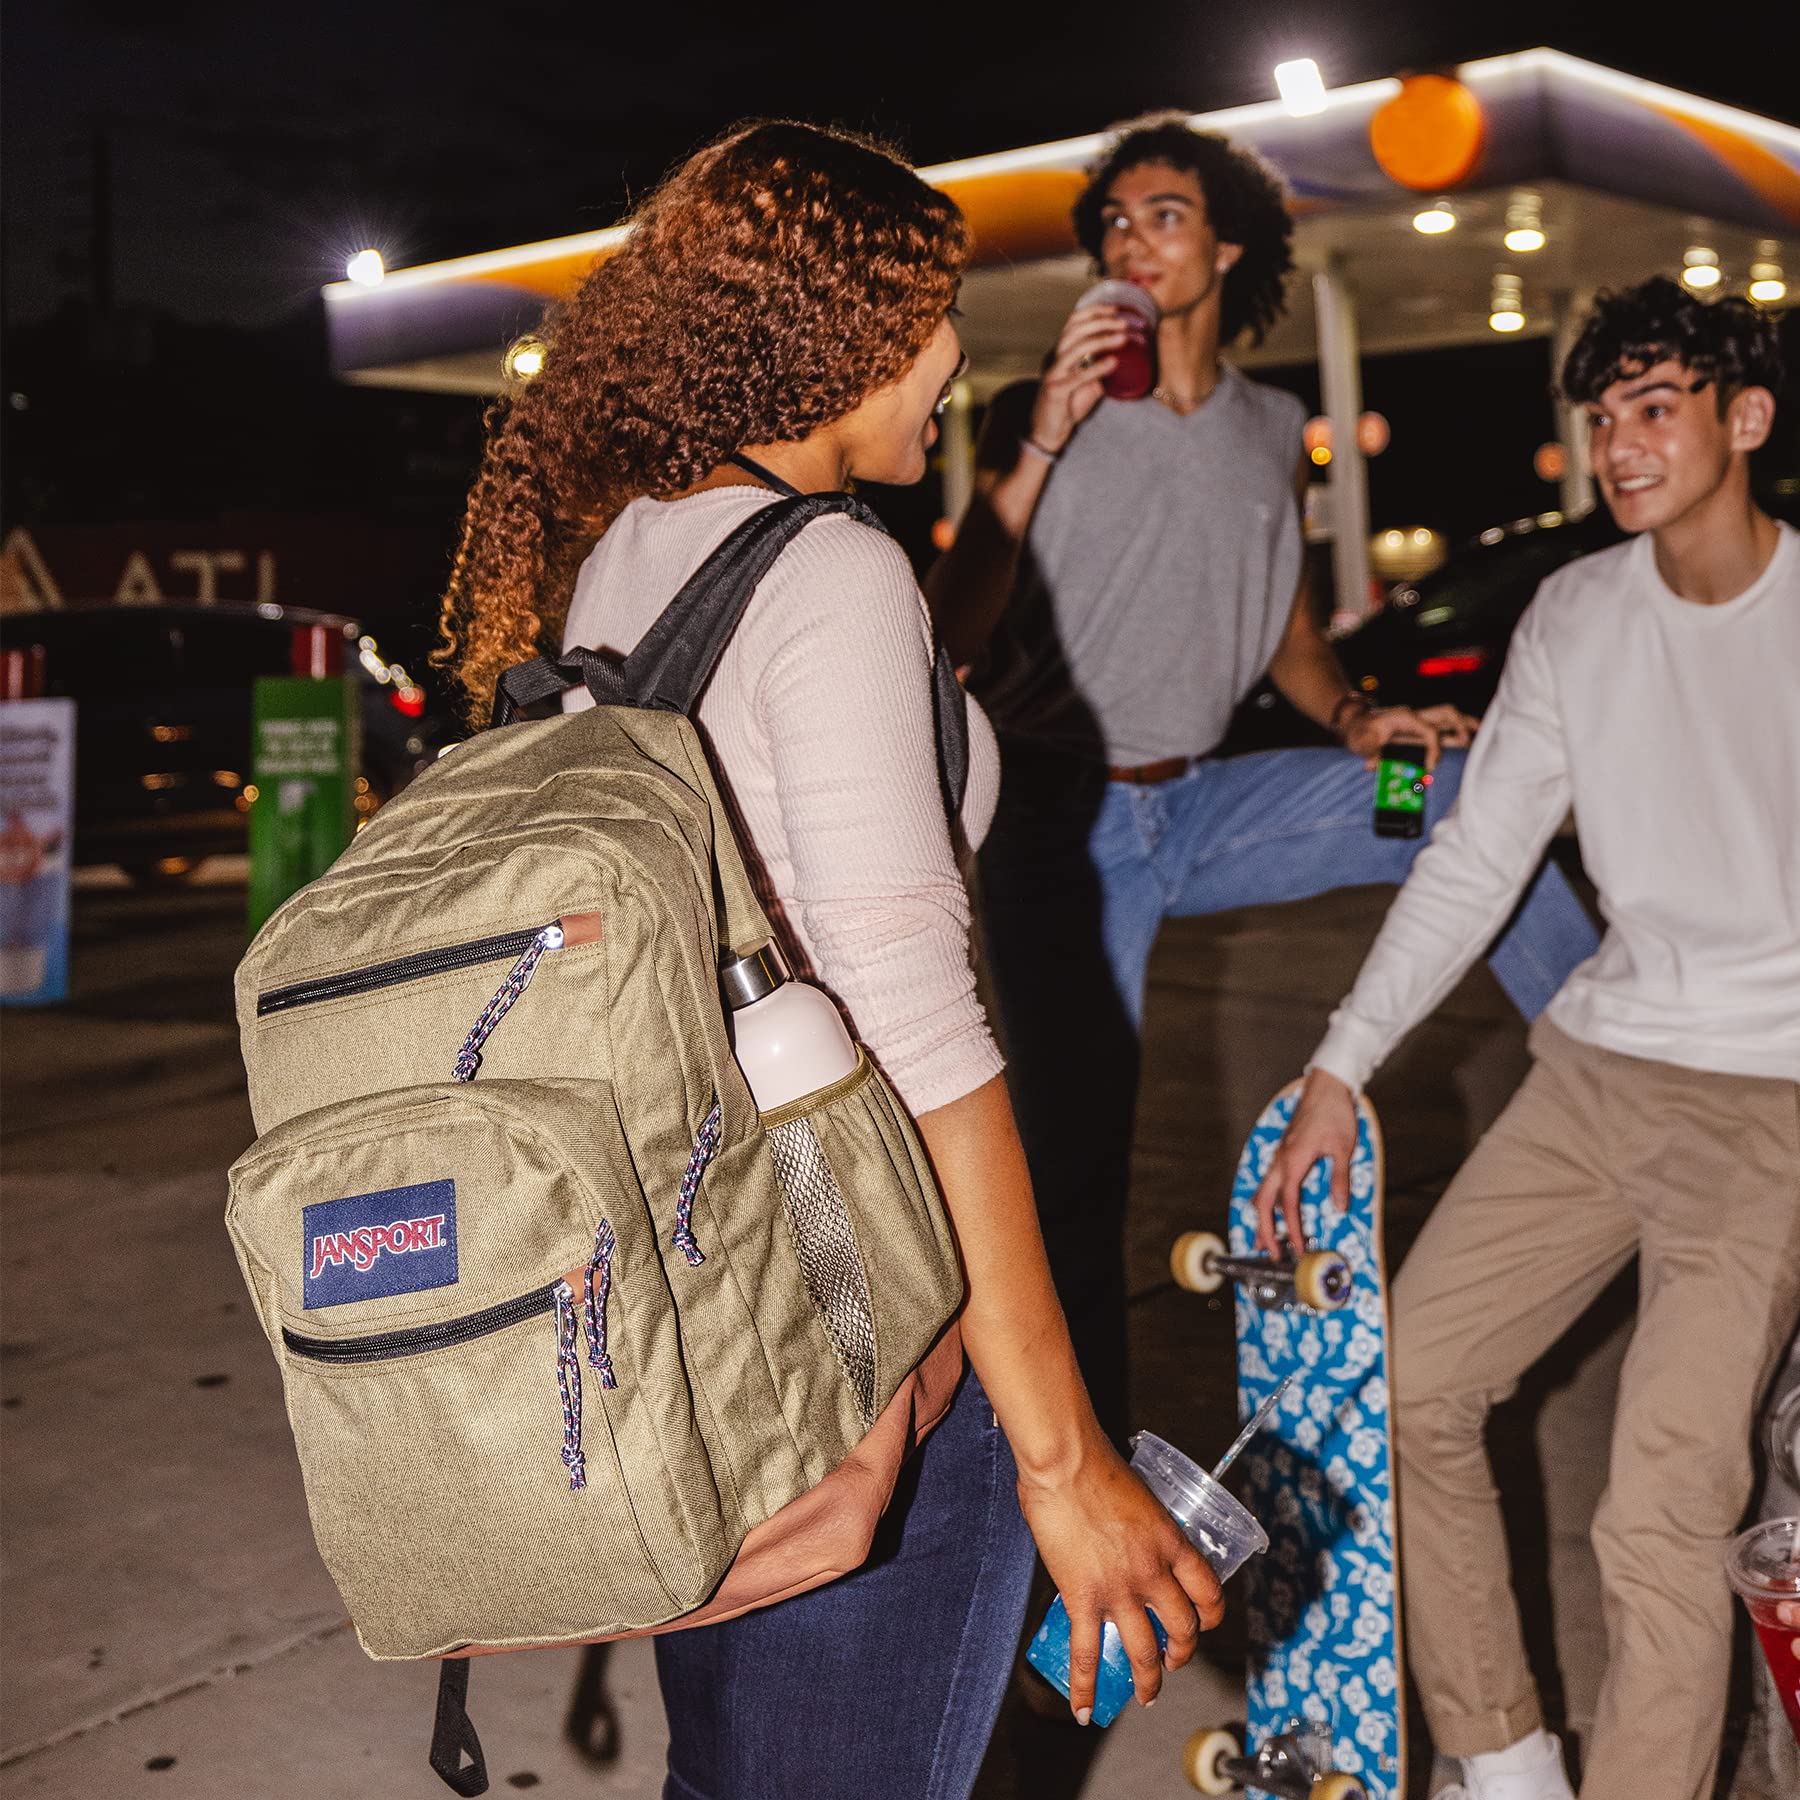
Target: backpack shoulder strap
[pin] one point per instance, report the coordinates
(675, 658)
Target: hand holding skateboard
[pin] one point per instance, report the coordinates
(1324, 1125)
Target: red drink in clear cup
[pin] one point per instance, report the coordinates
(1133, 375)
(1763, 1566)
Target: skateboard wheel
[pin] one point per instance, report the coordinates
(1191, 1263)
(1322, 1280)
(1337, 1786)
(1203, 1758)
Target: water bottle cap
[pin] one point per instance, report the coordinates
(747, 979)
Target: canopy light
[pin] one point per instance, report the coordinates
(1300, 85)
(1767, 284)
(1506, 304)
(525, 358)
(366, 268)
(1435, 219)
(1701, 268)
(1525, 222)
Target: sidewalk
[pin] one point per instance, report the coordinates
(169, 1630)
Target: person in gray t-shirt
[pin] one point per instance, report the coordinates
(1127, 572)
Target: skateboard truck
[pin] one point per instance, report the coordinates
(1290, 1766)
(1320, 1279)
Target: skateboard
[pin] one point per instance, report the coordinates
(1325, 1695)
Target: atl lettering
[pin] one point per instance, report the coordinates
(361, 1248)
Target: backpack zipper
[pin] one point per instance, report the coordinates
(555, 1296)
(416, 1340)
(503, 945)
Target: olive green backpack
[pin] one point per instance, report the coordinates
(560, 1318)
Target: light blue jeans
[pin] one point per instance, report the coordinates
(1077, 876)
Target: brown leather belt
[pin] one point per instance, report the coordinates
(1148, 774)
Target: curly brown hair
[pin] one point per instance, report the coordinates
(773, 282)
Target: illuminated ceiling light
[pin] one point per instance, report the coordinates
(1701, 267)
(525, 358)
(366, 268)
(1321, 454)
(1525, 222)
(1435, 220)
(1506, 304)
(1767, 283)
(1300, 85)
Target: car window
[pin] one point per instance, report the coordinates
(101, 655)
(1492, 584)
(233, 652)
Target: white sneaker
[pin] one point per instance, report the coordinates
(1531, 1769)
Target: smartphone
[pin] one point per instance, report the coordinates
(1400, 784)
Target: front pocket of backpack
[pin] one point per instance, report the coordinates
(868, 1229)
(486, 1461)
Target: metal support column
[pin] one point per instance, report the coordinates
(1568, 310)
(957, 423)
(1340, 379)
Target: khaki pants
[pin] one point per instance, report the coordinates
(1599, 1158)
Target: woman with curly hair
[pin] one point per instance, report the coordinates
(786, 298)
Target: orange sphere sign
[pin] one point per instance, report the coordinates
(1429, 136)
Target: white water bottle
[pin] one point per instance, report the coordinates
(786, 1034)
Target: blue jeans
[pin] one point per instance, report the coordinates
(884, 1685)
(1077, 876)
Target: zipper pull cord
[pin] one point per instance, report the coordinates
(518, 979)
(706, 1147)
(598, 1286)
(568, 1381)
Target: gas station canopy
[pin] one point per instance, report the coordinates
(1627, 178)
(1613, 178)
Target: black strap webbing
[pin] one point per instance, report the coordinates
(675, 658)
(453, 1733)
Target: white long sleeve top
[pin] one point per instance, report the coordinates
(1673, 728)
(819, 718)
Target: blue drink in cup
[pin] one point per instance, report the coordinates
(1211, 1520)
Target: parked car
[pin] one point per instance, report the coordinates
(1440, 639)
(163, 738)
(1444, 637)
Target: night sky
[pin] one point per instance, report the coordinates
(182, 176)
(250, 149)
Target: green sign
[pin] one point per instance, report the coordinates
(303, 761)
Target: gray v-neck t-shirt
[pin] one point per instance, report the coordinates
(1156, 578)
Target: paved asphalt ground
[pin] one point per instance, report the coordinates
(168, 1629)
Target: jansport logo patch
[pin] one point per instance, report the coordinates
(370, 1246)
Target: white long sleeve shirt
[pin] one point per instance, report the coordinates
(819, 717)
(1673, 729)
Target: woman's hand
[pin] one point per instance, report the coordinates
(1438, 728)
(1324, 1124)
(1114, 1552)
(1071, 387)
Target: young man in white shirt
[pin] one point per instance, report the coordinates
(1656, 688)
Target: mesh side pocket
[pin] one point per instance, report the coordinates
(825, 1242)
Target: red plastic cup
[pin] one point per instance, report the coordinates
(1763, 1567)
(1134, 374)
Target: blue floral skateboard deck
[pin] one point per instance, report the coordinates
(1323, 1602)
